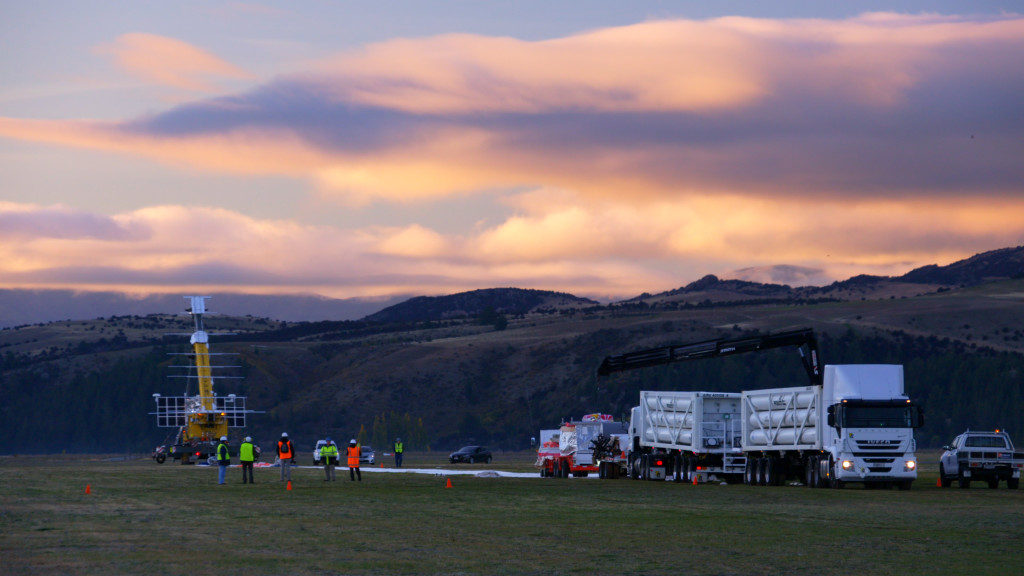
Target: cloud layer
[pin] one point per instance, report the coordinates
(625, 159)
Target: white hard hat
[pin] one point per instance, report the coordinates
(223, 438)
(284, 434)
(352, 441)
(248, 438)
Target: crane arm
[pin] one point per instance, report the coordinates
(803, 339)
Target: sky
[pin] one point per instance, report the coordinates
(418, 147)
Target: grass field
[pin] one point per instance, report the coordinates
(141, 518)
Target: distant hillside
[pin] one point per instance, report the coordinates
(994, 265)
(1003, 264)
(510, 301)
(23, 307)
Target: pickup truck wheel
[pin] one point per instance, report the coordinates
(944, 480)
(963, 482)
(1013, 483)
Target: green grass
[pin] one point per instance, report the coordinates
(172, 519)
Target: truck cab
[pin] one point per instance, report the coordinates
(985, 456)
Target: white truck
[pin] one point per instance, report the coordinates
(692, 436)
(858, 426)
(852, 424)
(984, 456)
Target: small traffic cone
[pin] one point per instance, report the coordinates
(695, 479)
(449, 484)
(381, 464)
(939, 482)
(289, 484)
(88, 489)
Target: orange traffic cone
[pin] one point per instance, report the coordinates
(939, 482)
(381, 464)
(695, 479)
(289, 484)
(88, 489)
(449, 484)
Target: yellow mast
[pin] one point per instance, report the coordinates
(205, 423)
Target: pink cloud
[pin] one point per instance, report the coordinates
(170, 62)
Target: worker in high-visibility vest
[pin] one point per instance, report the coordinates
(223, 460)
(329, 454)
(353, 460)
(247, 455)
(286, 456)
(399, 449)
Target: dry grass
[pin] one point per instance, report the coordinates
(170, 519)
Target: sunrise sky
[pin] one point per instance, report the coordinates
(598, 147)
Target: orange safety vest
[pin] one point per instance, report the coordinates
(285, 448)
(353, 456)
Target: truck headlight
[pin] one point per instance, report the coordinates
(910, 466)
(847, 464)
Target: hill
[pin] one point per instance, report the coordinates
(86, 386)
(511, 301)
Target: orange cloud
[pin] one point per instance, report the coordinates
(170, 62)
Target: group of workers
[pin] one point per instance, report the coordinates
(329, 454)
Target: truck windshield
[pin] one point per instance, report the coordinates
(879, 416)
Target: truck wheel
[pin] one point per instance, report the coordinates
(772, 467)
(1013, 483)
(565, 468)
(161, 458)
(944, 480)
(750, 472)
(760, 471)
(807, 474)
(815, 466)
(488, 459)
(963, 482)
(993, 483)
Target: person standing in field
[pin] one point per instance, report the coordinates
(353, 461)
(399, 449)
(247, 455)
(286, 456)
(329, 454)
(223, 459)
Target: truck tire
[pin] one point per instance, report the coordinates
(565, 469)
(678, 467)
(762, 465)
(161, 458)
(944, 481)
(1013, 483)
(963, 482)
(808, 476)
(815, 465)
(750, 472)
(771, 471)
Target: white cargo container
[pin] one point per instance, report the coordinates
(688, 435)
(858, 426)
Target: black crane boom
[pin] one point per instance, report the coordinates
(803, 339)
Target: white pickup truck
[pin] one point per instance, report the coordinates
(983, 456)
